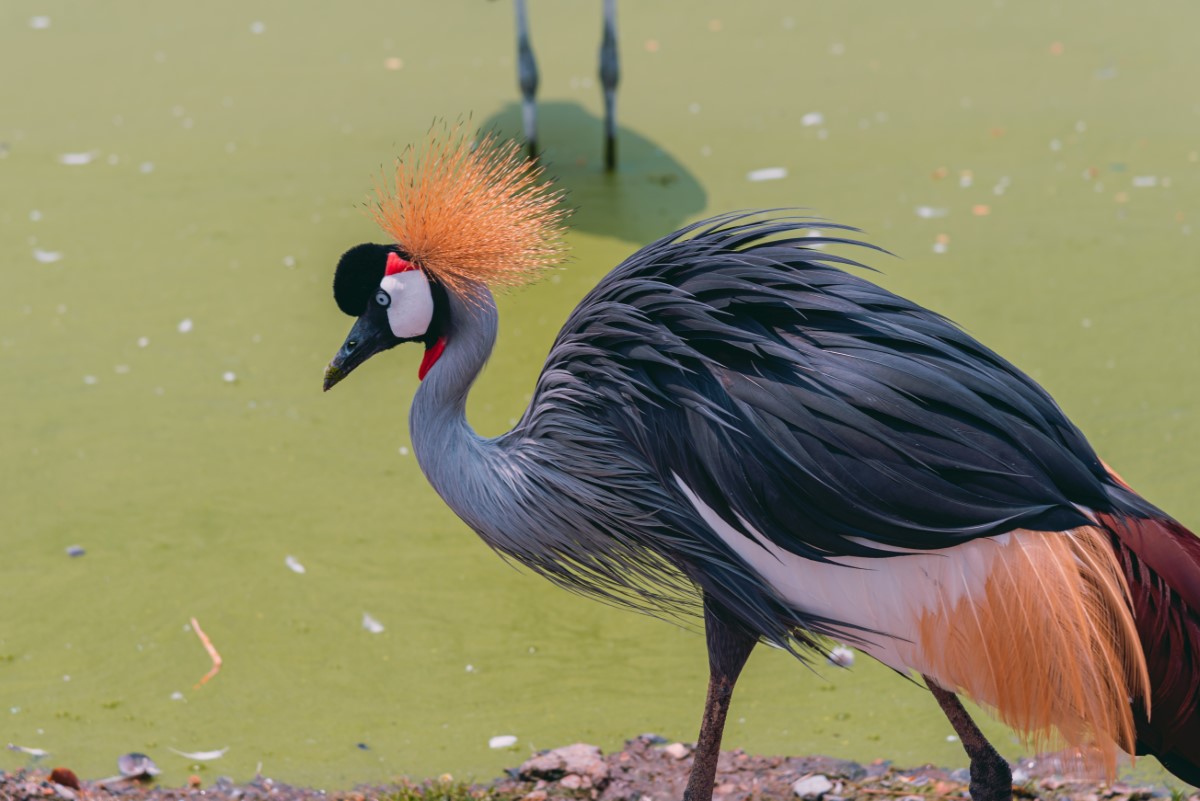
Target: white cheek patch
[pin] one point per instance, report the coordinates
(411, 309)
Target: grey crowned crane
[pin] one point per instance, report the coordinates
(732, 422)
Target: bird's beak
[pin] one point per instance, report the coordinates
(366, 338)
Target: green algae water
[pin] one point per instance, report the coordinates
(177, 182)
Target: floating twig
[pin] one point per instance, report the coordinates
(212, 652)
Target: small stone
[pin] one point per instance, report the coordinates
(580, 759)
(676, 750)
(573, 781)
(135, 765)
(536, 795)
(65, 777)
(812, 786)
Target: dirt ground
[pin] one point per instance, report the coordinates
(646, 769)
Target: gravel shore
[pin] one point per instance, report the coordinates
(646, 769)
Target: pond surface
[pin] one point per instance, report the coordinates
(177, 181)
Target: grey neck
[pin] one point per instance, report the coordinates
(453, 457)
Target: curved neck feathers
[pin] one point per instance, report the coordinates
(456, 460)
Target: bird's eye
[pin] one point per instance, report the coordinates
(383, 298)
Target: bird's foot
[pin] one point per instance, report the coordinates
(991, 779)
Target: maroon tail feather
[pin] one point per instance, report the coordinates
(1161, 560)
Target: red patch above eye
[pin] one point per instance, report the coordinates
(395, 264)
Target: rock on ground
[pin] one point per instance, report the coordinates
(646, 769)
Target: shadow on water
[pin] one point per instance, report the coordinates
(649, 194)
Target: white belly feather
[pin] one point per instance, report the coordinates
(1034, 624)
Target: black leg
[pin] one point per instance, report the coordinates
(991, 777)
(729, 647)
(527, 78)
(609, 75)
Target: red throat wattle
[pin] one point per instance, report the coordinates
(432, 353)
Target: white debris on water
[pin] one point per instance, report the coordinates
(294, 565)
(841, 656)
(767, 174)
(202, 756)
(502, 741)
(39, 23)
(812, 118)
(257, 27)
(185, 325)
(146, 167)
(36, 753)
(143, 342)
(35, 215)
(76, 159)
(1145, 181)
(90, 380)
(371, 624)
(229, 377)
(47, 256)
(178, 696)
(931, 212)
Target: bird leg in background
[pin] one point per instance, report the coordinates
(527, 78)
(729, 647)
(609, 75)
(991, 777)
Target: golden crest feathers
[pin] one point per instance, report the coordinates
(472, 213)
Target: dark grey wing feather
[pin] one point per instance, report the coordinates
(830, 414)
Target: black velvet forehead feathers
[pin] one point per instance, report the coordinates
(358, 274)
